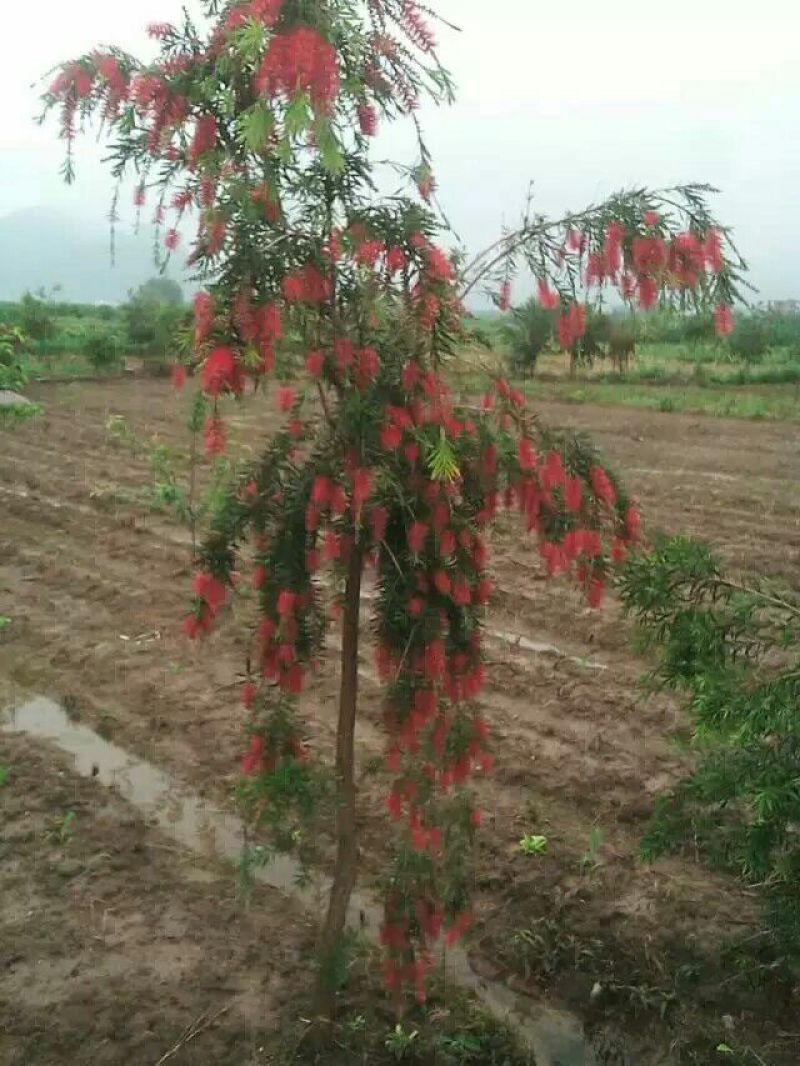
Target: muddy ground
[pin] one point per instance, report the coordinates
(94, 580)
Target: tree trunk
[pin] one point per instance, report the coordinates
(344, 874)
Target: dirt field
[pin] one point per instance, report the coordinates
(95, 584)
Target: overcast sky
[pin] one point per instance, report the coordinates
(580, 96)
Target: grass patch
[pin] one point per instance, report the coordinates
(769, 403)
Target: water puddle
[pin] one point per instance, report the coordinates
(554, 1036)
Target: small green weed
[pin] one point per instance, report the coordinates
(533, 844)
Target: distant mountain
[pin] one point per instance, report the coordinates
(44, 248)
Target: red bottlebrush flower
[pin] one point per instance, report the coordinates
(596, 269)
(712, 251)
(204, 140)
(259, 576)
(293, 680)
(417, 535)
(651, 218)
(209, 589)
(178, 376)
(338, 500)
(602, 486)
(504, 301)
(483, 591)
(248, 694)
(368, 120)
(220, 372)
(394, 805)
(172, 239)
(393, 760)
(159, 30)
(108, 67)
(391, 437)
(286, 398)
(367, 366)
(378, 519)
(527, 454)
(573, 494)
(442, 582)
(619, 550)
(462, 593)
(633, 523)
(595, 592)
(648, 292)
(344, 353)
(649, 255)
(428, 310)
(437, 265)
(307, 285)
(300, 61)
(723, 321)
(447, 543)
(547, 298)
(362, 487)
(368, 253)
(476, 818)
(395, 260)
(576, 241)
(266, 11)
(410, 376)
(416, 27)
(553, 473)
(332, 548)
(287, 601)
(321, 491)
(315, 363)
(139, 196)
(416, 606)
(203, 316)
(252, 762)
(411, 452)
(215, 436)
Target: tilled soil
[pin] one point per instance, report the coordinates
(95, 583)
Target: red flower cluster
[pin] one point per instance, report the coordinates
(221, 373)
(209, 597)
(571, 326)
(416, 27)
(204, 140)
(203, 317)
(547, 298)
(723, 321)
(307, 285)
(300, 61)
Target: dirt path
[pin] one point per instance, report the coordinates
(95, 586)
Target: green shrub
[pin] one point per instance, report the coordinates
(36, 317)
(733, 649)
(750, 338)
(103, 347)
(528, 333)
(151, 323)
(13, 345)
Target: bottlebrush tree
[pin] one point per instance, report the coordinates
(259, 127)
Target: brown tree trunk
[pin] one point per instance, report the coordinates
(344, 873)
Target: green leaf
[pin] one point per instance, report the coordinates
(255, 126)
(298, 115)
(329, 149)
(250, 39)
(5, 773)
(442, 463)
